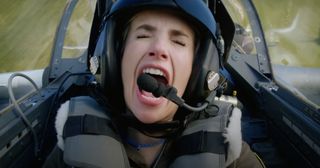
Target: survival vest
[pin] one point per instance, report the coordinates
(90, 139)
(202, 143)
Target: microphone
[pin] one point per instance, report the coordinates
(150, 84)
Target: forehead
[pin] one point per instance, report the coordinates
(162, 17)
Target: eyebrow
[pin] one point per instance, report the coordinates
(146, 27)
(179, 33)
(151, 28)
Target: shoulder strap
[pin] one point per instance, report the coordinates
(89, 137)
(202, 143)
(93, 121)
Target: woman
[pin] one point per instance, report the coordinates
(169, 41)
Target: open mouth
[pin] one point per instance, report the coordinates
(146, 97)
(158, 74)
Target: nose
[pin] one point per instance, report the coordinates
(159, 49)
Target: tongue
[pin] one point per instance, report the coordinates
(147, 94)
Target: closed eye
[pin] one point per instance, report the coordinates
(142, 36)
(181, 43)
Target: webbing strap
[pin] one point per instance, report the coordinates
(88, 124)
(201, 142)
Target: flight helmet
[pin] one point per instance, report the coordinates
(105, 62)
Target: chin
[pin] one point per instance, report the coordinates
(147, 117)
(153, 114)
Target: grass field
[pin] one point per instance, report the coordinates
(27, 31)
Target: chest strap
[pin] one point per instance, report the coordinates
(201, 142)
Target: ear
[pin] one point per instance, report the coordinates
(61, 119)
(233, 136)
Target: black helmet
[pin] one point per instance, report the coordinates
(105, 63)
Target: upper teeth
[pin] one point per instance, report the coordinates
(153, 71)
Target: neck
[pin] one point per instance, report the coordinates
(148, 147)
(156, 130)
(136, 138)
